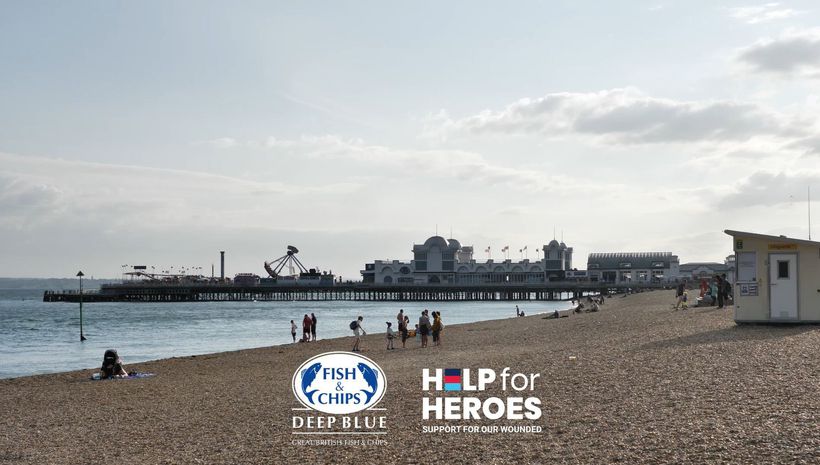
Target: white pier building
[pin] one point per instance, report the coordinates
(443, 261)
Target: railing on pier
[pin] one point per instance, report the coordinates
(158, 292)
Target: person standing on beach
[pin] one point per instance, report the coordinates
(390, 336)
(679, 294)
(720, 291)
(404, 331)
(293, 330)
(358, 332)
(312, 327)
(400, 318)
(727, 289)
(437, 327)
(306, 328)
(517, 311)
(424, 327)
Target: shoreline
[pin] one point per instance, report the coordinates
(127, 360)
(128, 364)
(635, 383)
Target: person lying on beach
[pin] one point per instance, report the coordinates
(594, 307)
(579, 308)
(112, 365)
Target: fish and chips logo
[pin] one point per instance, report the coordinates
(339, 383)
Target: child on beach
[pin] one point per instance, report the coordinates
(418, 333)
(390, 336)
(358, 332)
(681, 289)
(293, 330)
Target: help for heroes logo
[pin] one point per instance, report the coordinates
(470, 407)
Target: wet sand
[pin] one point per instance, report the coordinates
(634, 383)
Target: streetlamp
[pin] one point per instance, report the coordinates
(80, 275)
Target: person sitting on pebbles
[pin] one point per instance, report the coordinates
(112, 366)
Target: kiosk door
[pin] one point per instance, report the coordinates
(783, 286)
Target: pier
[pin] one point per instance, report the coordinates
(155, 292)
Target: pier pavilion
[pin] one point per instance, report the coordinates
(443, 261)
(634, 267)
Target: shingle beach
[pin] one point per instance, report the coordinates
(633, 383)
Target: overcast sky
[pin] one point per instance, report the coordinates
(159, 133)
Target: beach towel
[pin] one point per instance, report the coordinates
(130, 376)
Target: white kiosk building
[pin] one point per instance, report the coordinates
(777, 279)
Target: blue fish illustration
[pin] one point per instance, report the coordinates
(370, 376)
(308, 375)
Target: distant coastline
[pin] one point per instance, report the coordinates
(51, 283)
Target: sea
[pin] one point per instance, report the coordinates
(38, 337)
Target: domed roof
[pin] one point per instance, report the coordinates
(554, 243)
(563, 246)
(436, 241)
(454, 244)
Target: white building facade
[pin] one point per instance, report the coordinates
(633, 267)
(696, 271)
(447, 262)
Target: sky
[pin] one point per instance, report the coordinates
(159, 133)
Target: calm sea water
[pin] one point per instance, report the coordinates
(38, 337)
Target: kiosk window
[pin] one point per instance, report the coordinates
(782, 269)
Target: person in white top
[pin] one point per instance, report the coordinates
(390, 336)
(293, 330)
(358, 331)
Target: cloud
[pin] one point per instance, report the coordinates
(219, 143)
(795, 53)
(809, 145)
(761, 13)
(769, 189)
(627, 116)
(36, 190)
(464, 166)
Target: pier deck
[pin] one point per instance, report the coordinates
(129, 292)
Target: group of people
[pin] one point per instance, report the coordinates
(424, 329)
(717, 291)
(713, 292)
(593, 304)
(308, 328)
(518, 312)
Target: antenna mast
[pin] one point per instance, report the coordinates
(808, 195)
